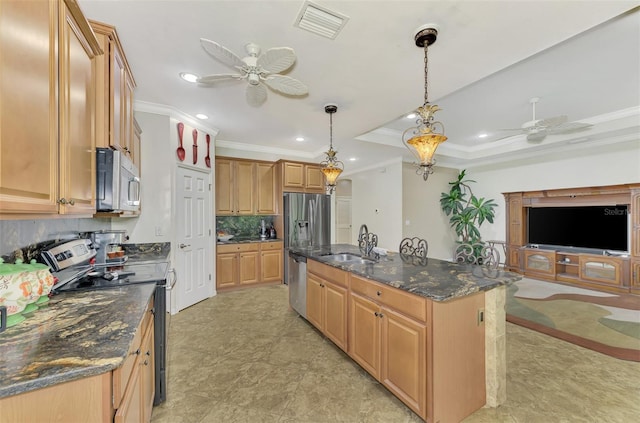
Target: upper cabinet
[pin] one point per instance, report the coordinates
(114, 95)
(244, 187)
(47, 161)
(302, 177)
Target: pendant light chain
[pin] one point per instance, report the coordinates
(426, 72)
(330, 131)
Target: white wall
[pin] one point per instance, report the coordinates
(421, 213)
(157, 182)
(378, 189)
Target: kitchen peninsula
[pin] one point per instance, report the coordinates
(430, 331)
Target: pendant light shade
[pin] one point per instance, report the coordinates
(331, 166)
(423, 139)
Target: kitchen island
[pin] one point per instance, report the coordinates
(431, 331)
(73, 351)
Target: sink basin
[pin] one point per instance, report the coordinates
(348, 258)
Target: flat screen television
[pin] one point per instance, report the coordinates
(598, 227)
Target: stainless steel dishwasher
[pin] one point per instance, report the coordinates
(298, 283)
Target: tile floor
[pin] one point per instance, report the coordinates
(245, 357)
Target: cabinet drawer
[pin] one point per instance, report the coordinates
(327, 272)
(268, 246)
(234, 248)
(404, 302)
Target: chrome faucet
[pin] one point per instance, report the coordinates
(366, 241)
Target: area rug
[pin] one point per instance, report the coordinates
(601, 321)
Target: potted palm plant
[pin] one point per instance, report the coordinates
(467, 212)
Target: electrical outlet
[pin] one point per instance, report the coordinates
(159, 231)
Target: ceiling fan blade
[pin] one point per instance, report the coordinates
(553, 121)
(212, 79)
(221, 53)
(569, 127)
(286, 85)
(278, 59)
(256, 95)
(537, 136)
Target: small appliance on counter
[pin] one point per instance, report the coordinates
(263, 230)
(68, 253)
(108, 245)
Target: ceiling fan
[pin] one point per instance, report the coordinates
(537, 129)
(259, 70)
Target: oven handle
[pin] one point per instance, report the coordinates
(173, 279)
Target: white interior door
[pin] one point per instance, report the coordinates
(343, 220)
(194, 250)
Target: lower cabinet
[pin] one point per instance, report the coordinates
(431, 355)
(635, 277)
(248, 264)
(327, 301)
(389, 345)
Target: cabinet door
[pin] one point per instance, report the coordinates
(600, 269)
(293, 175)
(147, 374)
(29, 107)
(540, 262)
(315, 306)
(271, 266)
(77, 149)
(265, 175)
(404, 359)
(249, 267)
(635, 276)
(314, 179)
(136, 146)
(335, 314)
(364, 333)
(127, 115)
(635, 223)
(117, 96)
(130, 410)
(226, 270)
(244, 194)
(224, 187)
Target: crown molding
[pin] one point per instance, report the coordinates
(173, 113)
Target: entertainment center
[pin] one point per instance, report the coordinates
(587, 236)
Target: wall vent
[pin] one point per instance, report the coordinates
(320, 20)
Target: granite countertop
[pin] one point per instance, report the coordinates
(78, 334)
(438, 280)
(244, 240)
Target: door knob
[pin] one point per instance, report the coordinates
(184, 245)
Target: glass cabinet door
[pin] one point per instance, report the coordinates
(600, 269)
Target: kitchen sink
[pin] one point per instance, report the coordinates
(349, 258)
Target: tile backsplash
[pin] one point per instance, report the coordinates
(242, 226)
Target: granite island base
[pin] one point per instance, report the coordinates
(432, 334)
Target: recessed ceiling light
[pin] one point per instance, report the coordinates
(411, 116)
(201, 116)
(352, 159)
(299, 139)
(483, 135)
(189, 77)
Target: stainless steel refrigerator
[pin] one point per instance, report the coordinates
(307, 224)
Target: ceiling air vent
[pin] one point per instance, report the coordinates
(320, 20)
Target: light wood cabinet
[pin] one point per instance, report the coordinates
(539, 262)
(515, 230)
(248, 264)
(136, 149)
(244, 187)
(114, 97)
(47, 163)
(390, 345)
(635, 277)
(302, 177)
(271, 261)
(327, 301)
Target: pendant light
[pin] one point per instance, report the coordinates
(423, 139)
(331, 166)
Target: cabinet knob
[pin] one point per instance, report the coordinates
(378, 293)
(380, 315)
(146, 362)
(136, 352)
(72, 202)
(62, 201)
(148, 353)
(376, 313)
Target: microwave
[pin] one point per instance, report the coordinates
(117, 182)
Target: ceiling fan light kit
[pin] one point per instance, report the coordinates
(423, 139)
(331, 166)
(259, 70)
